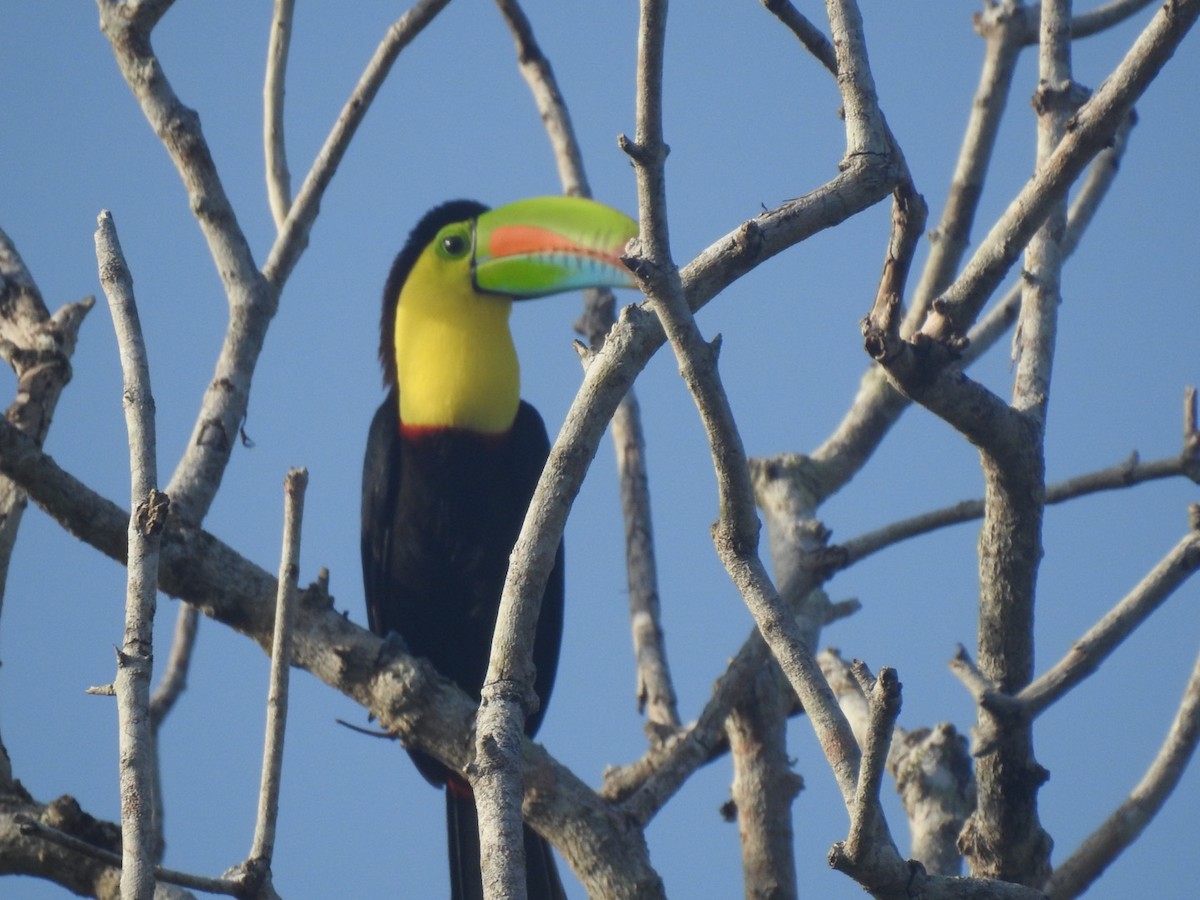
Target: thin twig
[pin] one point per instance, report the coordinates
(883, 699)
(556, 118)
(1087, 653)
(646, 785)
(170, 876)
(808, 34)
(293, 233)
(170, 687)
(134, 659)
(949, 240)
(263, 847)
(279, 187)
(174, 676)
(1085, 24)
(1091, 192)
(1128, 820)
(1125, 474)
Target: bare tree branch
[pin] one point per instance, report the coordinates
(1085, 24)
(263, 846)
(931, 766)
(134, 660)
(76, 868)
(1125, 474)
(1128, 820)
(878, 405)
(1003, 837)
(854, 855)
(655, 691)
(1090, 130)
(999, 26)
(1087, 653)
(735, 534)
(279, 187)
(764, 787)
(253, 296)
(174, 676)
(405, 694)
(808, 34)
(39, 349)
(556, 118)
(252, 299)
(293, 233)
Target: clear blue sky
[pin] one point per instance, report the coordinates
(751, 121)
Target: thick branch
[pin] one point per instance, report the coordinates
(405, 694)
(655, 691)
(764, 787)
(252, 300)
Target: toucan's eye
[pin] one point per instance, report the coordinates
(454, 242)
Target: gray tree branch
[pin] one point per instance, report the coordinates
(279, 186)
(262, 849)
(1119, 830)
(138, 751)
(655, 691)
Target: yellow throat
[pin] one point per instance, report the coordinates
(456, 365)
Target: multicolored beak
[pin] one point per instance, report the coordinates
(547, 245)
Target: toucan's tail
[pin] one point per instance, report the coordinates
(462, 834)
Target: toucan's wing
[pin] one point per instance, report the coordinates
(380, 486)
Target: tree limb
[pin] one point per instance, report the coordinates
(38, 346)
(1087, 133)
(293, 234)
(655, 691)
(1088, 652)
(138, 751)
(263, 847)
(1086, 24)
(279, 188)
(1129, 819)
(1125, 474)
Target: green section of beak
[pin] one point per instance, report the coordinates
(546, 245)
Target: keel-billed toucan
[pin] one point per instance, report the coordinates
(454, 454)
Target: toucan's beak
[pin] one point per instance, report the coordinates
(546, 245)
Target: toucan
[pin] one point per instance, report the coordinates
(453, 456)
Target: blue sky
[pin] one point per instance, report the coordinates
(751, 121)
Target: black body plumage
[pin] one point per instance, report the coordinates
(441, 510)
